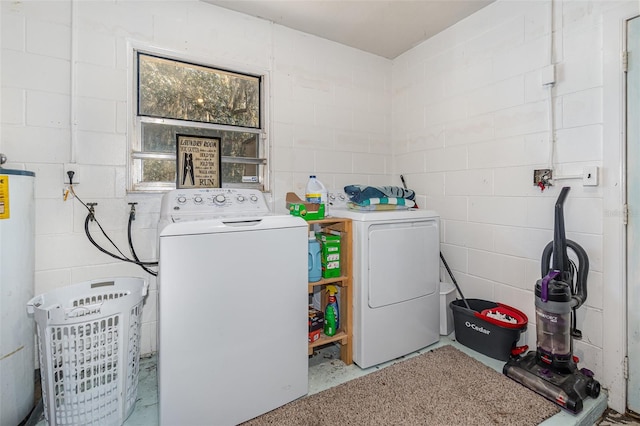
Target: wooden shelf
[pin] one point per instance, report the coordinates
(344, 334)
(340, 281)
(342, 337)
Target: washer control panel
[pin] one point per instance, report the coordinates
(194, 204)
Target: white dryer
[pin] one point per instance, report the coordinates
(396, 281)
(232, 290)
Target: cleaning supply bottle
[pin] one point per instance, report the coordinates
(331, 315)
(317, 193)
(315, 263)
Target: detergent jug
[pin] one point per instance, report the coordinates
(315, 263)
(315, 192)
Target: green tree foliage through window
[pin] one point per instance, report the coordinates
(173, 89)
(176, 97)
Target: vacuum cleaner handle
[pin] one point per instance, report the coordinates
(560, 258)
(579, 294)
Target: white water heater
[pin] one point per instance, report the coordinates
(17, 246)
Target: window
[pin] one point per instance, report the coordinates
(181, 98)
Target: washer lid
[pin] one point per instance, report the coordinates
(228, 224)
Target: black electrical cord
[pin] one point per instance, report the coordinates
(574, 289)
(91, 218)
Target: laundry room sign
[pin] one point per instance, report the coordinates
(199, 162)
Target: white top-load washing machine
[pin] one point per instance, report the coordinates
(232, 282)
(396, 281)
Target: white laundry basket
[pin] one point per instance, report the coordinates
(89, 345)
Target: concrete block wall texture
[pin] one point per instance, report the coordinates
(462, 116)
(67, 95)
(470, 122)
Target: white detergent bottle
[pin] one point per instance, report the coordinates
(317, 193)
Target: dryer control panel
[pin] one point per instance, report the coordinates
(198, 204)
(337, 199)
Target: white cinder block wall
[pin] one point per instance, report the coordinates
(328, 107)
(471, 123)
(463, 116)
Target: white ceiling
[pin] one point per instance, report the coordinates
(382, 27)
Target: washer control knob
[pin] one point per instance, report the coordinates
(241, 198)
(219, 199)
(182, 200)
(253, 198)
(197, 200)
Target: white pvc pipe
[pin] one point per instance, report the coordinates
(550, 105)
(74, 87)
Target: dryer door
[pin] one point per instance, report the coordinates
(403, 261)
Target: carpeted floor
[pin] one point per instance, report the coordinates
(440, 387)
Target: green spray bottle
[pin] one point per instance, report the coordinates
(331, 315)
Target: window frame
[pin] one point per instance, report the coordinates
(135, 143)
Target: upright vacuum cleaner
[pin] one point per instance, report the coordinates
(552, 369)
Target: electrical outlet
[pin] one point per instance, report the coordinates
(70, 167)
(542, 175)
(590, 176)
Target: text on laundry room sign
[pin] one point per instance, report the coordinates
(198, 162)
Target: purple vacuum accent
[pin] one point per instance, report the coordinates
(587, 372)
(545, 284)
